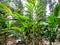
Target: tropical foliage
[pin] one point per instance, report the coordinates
(34, 25)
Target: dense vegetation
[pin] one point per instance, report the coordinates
(34, 25)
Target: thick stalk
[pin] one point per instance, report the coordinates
(50, 43)
(5, 39)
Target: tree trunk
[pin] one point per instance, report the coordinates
(59, 1)
(50, 43)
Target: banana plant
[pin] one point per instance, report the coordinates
(35, 11)
(12, 23)
(53, 23)
(7, 23)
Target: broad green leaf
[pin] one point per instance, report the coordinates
(7, 9)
